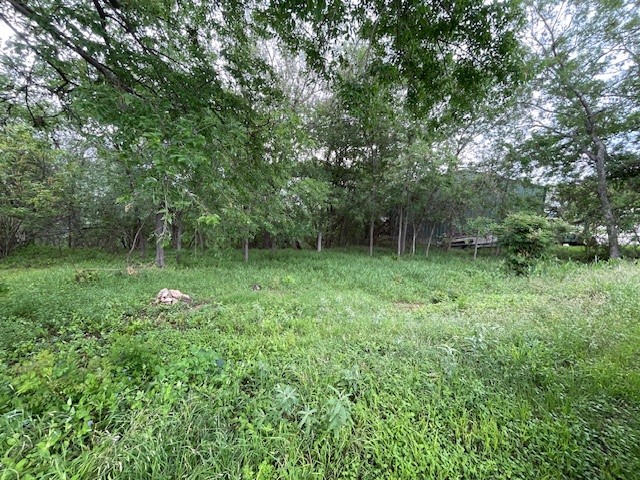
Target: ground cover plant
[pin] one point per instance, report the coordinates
(302, 365)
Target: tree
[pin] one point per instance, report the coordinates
(193, 112)
(583, 107)
(166, 100)
(370, 109)
(29, 187)
(525, 238)
(415, 182)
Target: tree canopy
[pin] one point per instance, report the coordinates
(270, 123)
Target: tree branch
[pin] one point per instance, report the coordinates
(32, 16)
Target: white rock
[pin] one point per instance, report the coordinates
(169, 297)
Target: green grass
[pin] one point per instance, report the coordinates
(341, 366)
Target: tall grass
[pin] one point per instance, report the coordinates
(339, 366)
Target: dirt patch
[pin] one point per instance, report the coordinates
(408, 307)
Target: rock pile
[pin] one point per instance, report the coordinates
(169, 297)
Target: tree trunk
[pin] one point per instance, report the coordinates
(605, 204)
(404, 233)
(159, 232)
(475, 250)
(179, 245)
(586, 236)
(176, 235)
(266, 240)
(343, 232)
(245, 249)
(400, 221)
(452, 233)
(372, 225)
(413, 239)
(433, 229)
(137, 242)
(176, 232)
(319, 242)
(143, 247)
(69, 232)
(599, 158)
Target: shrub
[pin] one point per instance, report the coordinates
(525, 239)
(86, 276)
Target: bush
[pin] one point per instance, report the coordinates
(525, 239)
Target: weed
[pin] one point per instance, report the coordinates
(86, 276)
(368, 369)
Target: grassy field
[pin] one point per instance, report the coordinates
(340, 366)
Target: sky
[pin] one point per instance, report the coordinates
(5, 31)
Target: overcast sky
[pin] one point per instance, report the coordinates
(5, 31)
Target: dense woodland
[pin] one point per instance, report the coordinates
(192, 124)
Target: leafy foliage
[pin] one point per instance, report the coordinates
(191, 111)
(525, 238)
(30, 186)
(585, 114)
